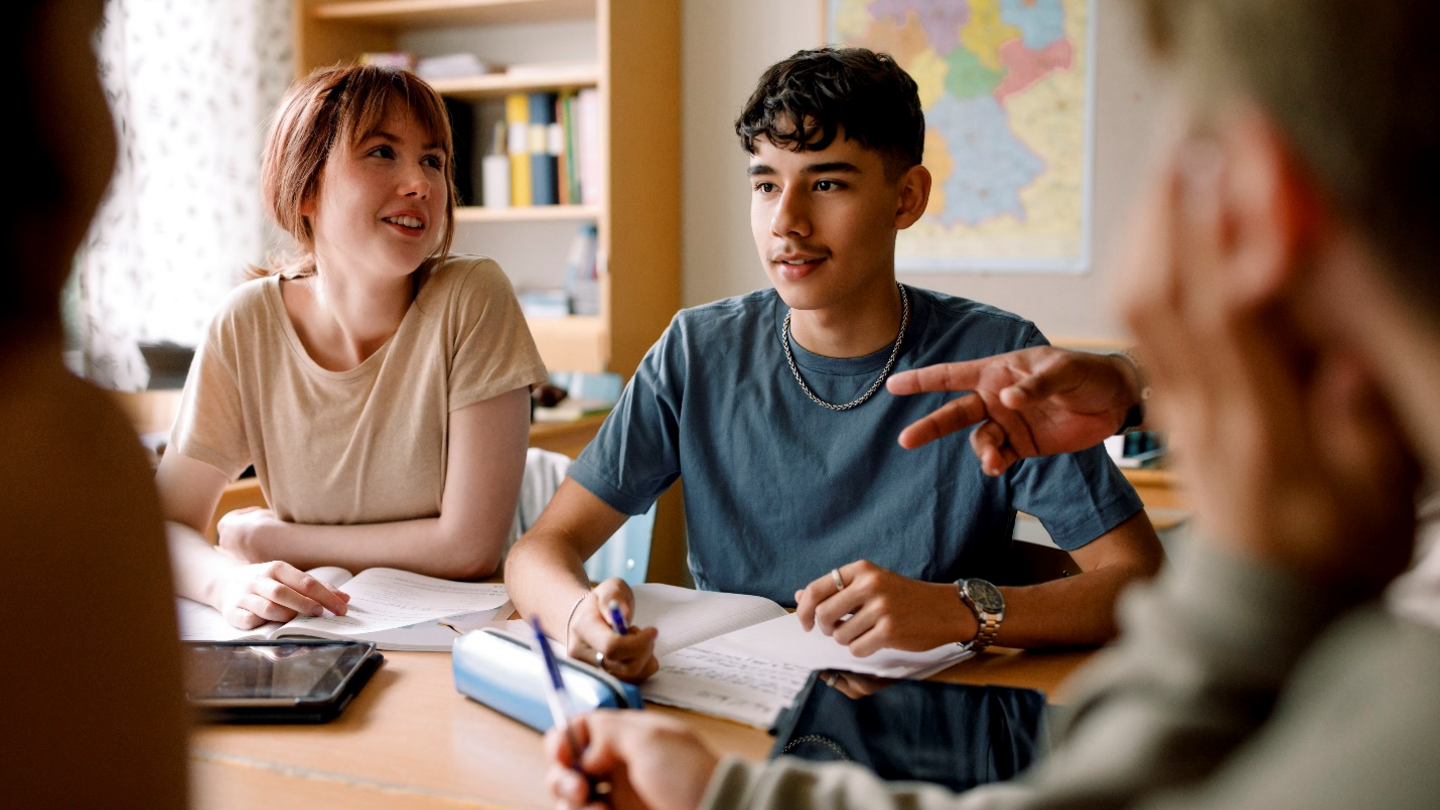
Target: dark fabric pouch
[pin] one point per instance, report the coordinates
(954, 735)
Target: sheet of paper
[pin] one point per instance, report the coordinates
(685, 616)
(783, 639)
(752, 674)
(382, 598)
(742, 688)
(431, 635)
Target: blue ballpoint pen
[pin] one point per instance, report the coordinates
(617, 620)
(559, 701)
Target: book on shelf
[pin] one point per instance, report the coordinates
(571, 159)
(606, 385)
(517, 122)
(572, 409)
(552, 71)
(590, 166)
(745, 658)
(544, 175)
(581, 271)
(552, 142)
(394, 59)
(558, 144)
(452, 66)
(462, 138)
(543, 303)
(398, 610)
(495, 171)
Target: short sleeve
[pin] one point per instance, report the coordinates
(635, 456)
(1077, 496)
(492, 351)
(210, 426)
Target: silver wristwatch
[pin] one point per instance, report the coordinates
(988, 606)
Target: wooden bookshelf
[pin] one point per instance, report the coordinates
(453, 12)
(529, 213)
(495, 85)
(637, 74)
(576, 342)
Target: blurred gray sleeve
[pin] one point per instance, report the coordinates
(1204, 655)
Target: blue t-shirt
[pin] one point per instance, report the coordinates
(779, 490)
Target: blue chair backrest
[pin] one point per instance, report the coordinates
(627, 553)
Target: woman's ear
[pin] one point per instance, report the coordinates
(914, 188)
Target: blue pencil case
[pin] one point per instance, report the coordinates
(504, 672)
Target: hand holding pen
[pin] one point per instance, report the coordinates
(617, 619)
(560, 708)
(602, 634)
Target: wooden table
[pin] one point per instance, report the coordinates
(410, 740)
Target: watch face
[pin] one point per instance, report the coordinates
(985, 596)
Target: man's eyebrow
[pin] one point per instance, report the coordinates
(838, 166)
(833, 167)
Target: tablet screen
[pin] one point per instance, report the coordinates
(281, 673)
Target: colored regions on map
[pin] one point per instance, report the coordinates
(1041, 22)
(1024, 66)
(989, 165)
(986, 31)
(966, 76)
(941, 19)
(1003, 85)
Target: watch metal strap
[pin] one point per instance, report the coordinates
(989, 627)
(987, 624)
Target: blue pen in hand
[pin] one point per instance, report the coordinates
(617, 620)
(559, 701)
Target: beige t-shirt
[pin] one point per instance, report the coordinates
(367, 445)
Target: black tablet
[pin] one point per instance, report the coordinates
(276, 681)
(953, 734)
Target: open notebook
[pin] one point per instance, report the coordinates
(745, 658)
(397, 610)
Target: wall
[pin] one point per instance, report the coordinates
(726, 47)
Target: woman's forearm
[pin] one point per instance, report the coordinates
(425, 546)
(196, 562)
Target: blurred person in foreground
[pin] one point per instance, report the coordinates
(1282, 286)
(91, 719)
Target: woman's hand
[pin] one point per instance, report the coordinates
(251, 595)
(629, 657)
(248, 534)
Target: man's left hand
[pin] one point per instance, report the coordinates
(885, 609)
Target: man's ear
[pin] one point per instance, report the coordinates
(914, 188)
(1269, 207)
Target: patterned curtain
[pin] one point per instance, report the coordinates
(191, 84)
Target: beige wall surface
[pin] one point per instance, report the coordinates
(726, 47)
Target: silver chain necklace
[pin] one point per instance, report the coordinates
(875, 386)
